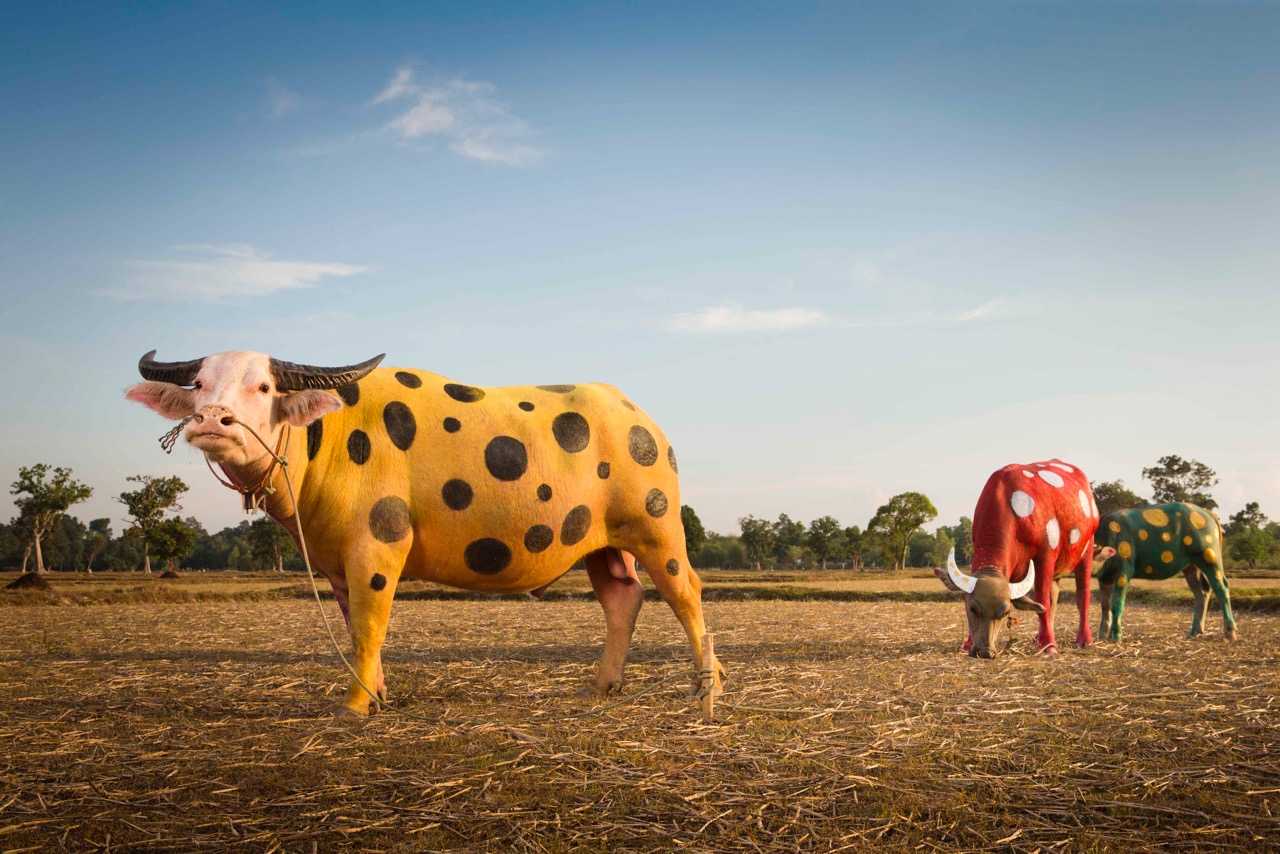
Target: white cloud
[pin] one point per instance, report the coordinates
(734, 318)
(220, 271)
(424, 118)
(987, 309)
(463, 112)
(281, 100)
(400, 85)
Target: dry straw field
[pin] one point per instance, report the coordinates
(135, 721)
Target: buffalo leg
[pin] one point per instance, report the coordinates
(1200, 605)
(1084, 589)
(343, 596)
(1117, 607)
(667, 563)
(1218, 583)
(1046, 594)
(372, 570)
(1105, 589)
(620, 595)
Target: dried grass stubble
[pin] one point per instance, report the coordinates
(176, 727)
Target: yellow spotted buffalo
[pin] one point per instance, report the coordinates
(402, 473)
(1160, 541)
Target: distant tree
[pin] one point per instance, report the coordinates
(788, 534)
(825, 538)
(269, 542)
(1175, 479)
(148, 504)
(12, 544)
(44, 495)
(171, 540)
(694, 534)
(1249, 535)
(1113, 495)
(757, 538)
(924, 549)
(123, 552)
(66, 543)
(961, 536)
(22, 526)
(99, 538)
(1249, 518)
(1251, 545)
(853, 545)
(896, 521)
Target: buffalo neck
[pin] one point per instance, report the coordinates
(276, 503)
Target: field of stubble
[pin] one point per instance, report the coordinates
(847, 725)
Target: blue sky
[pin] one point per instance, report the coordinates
(837, 250)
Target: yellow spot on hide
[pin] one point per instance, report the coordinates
(1210, 555)
(1198, 520)
(1186, 541)
(1114, 526)
(1155, 517)
(1147, 570)
(1122, 581)
(1166, 556)
(1142, 535)
(1125, 549)
(1167, 537)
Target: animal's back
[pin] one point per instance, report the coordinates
(1027, 509)
(1160, 539)
(502, 488)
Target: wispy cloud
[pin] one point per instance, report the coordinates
(281, 100)
(987, 309)
(219, 271)
(735, 318)
(465, 113)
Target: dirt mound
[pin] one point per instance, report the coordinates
(169, 573)
(28, 581)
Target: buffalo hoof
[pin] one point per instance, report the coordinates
(1084, 642)
(346, 713)
(1230, 633)
(1050, 651)
(597, 691)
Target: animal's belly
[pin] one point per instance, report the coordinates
(492, 565)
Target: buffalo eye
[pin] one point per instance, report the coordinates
(264, 388)
(197, 385)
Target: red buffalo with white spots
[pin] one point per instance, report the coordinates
(1042, 512)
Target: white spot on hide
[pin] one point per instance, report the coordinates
(1051, 477)
(1022, 504)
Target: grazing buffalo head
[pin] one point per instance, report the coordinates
(989, 600)
(223, 391)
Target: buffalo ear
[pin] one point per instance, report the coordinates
(946, 580)
(300, 408)
(1026, 603)
(172, 401)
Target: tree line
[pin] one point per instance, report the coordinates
(44, 534)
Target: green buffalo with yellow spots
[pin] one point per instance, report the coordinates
(1159, 541)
